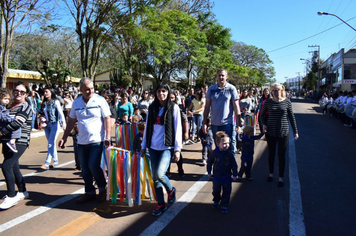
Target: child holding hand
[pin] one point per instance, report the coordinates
(248, 146)
(224, 165)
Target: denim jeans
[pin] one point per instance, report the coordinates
(51, 132)
(90, 157)
(160, 160)
(197, 121)
(227, 129)
(33, 120)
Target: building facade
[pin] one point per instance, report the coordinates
(338, 72)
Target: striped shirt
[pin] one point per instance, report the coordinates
(23, 114)
(278, 115)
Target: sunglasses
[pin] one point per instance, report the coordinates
(17, 92)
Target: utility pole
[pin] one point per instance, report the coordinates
(317, 84)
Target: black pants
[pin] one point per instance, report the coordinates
(11, 169)
(246, 167)
(272, 143)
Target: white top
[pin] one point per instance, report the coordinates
(157, 139)
(90, 118)
(344, 101)
(354, 100)
(67, 103)
(349, 100)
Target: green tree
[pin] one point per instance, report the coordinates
(217, 46)
(52, 51)
(172, 39)
(96, 22)
(256, 61)
(14, 15)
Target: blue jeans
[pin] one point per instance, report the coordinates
(51, 132)
(160, 161)
(227, 129)
(33, 120)
(90, 157)
(198, 120)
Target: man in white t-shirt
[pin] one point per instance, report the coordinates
(92, 113)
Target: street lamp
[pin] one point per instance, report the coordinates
(325, 13)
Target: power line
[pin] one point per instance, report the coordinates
(309, 36)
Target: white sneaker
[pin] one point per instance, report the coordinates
(22, 195)
(204, 162)
(8, 202)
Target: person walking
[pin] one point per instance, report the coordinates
(22, 112)
(198, 103)
(93, 115)
(54, 116)
(222, 100)
(163, 138)
(276, 128)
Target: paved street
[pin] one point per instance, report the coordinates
(318, 197)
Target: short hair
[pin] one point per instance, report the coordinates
(220, 135)
(141, 126)
(124, 114)
(83, 81)
(221, 70)
(248, 129)
(4, 92)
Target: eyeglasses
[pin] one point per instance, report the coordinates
(17, 92)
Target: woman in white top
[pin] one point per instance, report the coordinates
(54, 115)
(198, 103)
(68, 101)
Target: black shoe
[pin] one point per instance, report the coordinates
(269, 179)
(280, 184)
(102, 196)
(86, 198)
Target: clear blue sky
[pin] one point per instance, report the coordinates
(273, 24)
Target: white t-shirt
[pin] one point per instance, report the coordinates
(90, 118)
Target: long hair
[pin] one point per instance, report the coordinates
(283, 92)
(53, 94)
(263, 94)
(156, 104)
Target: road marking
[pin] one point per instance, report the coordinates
(41, 171)
(78, 225)
(156, 227)
(39, 210)
(296, 216)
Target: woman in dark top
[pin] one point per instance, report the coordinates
(22, 112)
(276, 128)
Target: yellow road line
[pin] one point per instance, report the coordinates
(78, 225)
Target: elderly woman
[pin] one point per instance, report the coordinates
(22, 114)
(276, 128)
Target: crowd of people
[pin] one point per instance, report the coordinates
(167, 119)
(340, 105)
